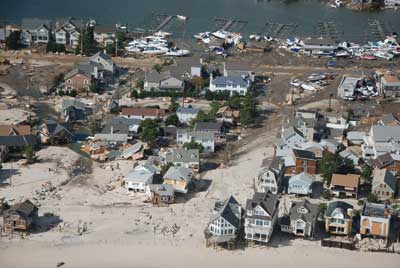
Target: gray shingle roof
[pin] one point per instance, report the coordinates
(188, 110)
(384, 176)
(310, 216)
(179, 173)
(269, 202)
(183, 155)
(230, 80)
(386, 133)
(208, 126)
(32, 24)
(231, 211)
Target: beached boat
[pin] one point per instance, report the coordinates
(154, 50)
(181, 17)
(176, 52)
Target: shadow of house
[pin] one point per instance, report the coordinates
(6, 174)
(45, 223)
(317, 189)
(207, 166)
(196, 186)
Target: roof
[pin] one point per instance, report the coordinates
(183, 155)
(309, 216)
(382, 161)
(302, 177)
(72, 102)
(375, 210)
(188, 110)
(384, 176)
(115, 129)
(304, 154)
(230, 80)
(228, 112)
(13, 130)
(348, 180)
(142, 173)
(269, 202)
(179, 173)
(156, 77)
(273, 162)
(77, 71)
(290, 131)
(143, 112)
(338, 205)
(162, 189)
(102, 55)
(355, 135)
(104, 29)
(208, 126)
(31, 24)
(112, 137)
(127, 152)
(319, 42)
(230, 210)
(390, 119)
(120, 120)
(385, 133)
(18, 141)
(202, 135)
(25, 209)
(53, 127)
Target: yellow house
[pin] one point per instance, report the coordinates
(339, 218)
(179, 178)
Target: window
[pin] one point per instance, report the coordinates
(69, 81)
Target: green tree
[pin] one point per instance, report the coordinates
(172, 120)
(87, 41)
(328, 166)
(140, 84)
(326, 194)
(94, 125)
(13, 40)
(110, 49)
(94, 88)
(248, 112)
(372, 198)
(198, 83)
(134, 94)
(174, 106)
(193, 145)
(157, 67)
(149, 130)
(165, 168)
(30, 155)
(366, 173)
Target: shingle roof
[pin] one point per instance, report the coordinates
(269, 202)
(343, 206)
(304, 154)
(25, 208)
(310, 216)
(13, 130)
(34, 23)
(375, 210)
(302, 177)
(72, 102)
(385, 133)
(384, 176)
(230, 211)
(143, 112)
(348, 180)
(183, 155)
(188, 110)
(208, 126)
(19, 141)
(179, 173)
(230, 80)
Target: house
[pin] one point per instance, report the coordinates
(52, 132)
(389, 83)
(184, 158)
(305, 162)
(293, 137)
(226, 114)
(35, 31)
(355, 137)
(111, 138)
(347, 87)
(225, 223)
(375, 220)
(339, 218)
(139, 178)
(143, 113)
(305, 126)
(179, 177)
(74, 111)
(233, 84)
(164, 81)
(216, 128)
(300, 184)
(77, 80)
(206, 139)
(271, 174)
(104, 34)
(95, 70)
(16, 137)
(20, 217)
(307, 114)
(381, 140)
(187, 114)
(302, 219)
(344, 185)
(134, 152)
(384, 184)
(261, 216)
(132, 124)
(389, 161)
(62, 36)
(315, 45)
(160, 194)
(104, 60)
(350, 154)
(68, 31)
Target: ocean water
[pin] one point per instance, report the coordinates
(351, 25)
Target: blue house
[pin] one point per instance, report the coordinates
(300, 184)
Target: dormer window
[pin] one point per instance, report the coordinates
(302, 210)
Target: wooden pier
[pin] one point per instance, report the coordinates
(279, 30)
(327, 29)
(377, 30)
(228, 23)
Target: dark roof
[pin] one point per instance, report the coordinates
(54, 127)
(77, 71)
(25, 209)
(268, 201)
(337, 204)
(274, 162)
(375, 210)
(318, 42)
(120, 120)
(304, 154)
(18, 141)
(115, 129)
(210, 126)
(310, 216)
(230, 211)
(35, 23)
(104, 29)
(381, 161)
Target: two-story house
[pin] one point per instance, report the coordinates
(143, 113)
(35, 31)
(305, 126)
(293, 137)
(375, 220)
(339, 218)
(163, 81)
(139, 178)
(305, 161)
(187, 114)
(232, 84)
(179, 177)
(300, 184)
(78, 80)
(302, 219)
(217, 128)
(225, 223)
(184, 158)
(104, 34)
(384, 183)
(271, 174)
(381, 140)
(206, 139)
(389, 161)
(261, 216)
(344, 185)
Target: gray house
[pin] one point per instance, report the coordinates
(35, 31)
(301, 220)
(104, 60)
(184, 158)
(300, 184)
(383, 183)
(163, 81)
(187, 114)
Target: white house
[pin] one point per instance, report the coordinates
(187, 114)
(226, 220)
(270, 175)
(104, 60)
(261, 216)
(62, 36)
(232, 84)
(381, 140)
(139, 178)
(206, 139)
(300, 184)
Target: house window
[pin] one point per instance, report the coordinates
(69, 81)
(85, 81)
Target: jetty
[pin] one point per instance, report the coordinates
(224, 24)
(377, 29)
(279, 30)
(328, 30)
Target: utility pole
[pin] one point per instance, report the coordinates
(82, 40)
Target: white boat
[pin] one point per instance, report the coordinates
(383, 55)
(308, 87)
(220, 34)
(342, 53)
(153, 50)
(133, 49)
(181, 17)
(176, 52)
(255, 37)
(296, 82)
(162, 34)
